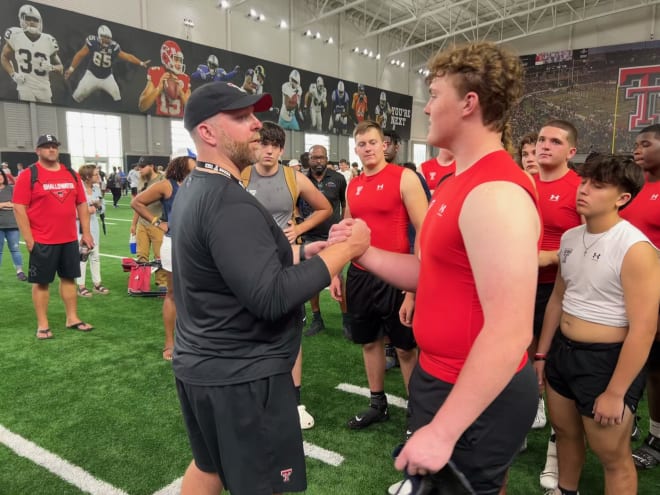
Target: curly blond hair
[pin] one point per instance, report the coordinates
(489, 70)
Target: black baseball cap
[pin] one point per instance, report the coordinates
(47, 139)
(146, 160)
(213, 98)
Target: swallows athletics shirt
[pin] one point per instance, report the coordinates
(51, 204)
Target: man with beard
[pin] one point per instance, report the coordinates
(333, 186)
(239, 290)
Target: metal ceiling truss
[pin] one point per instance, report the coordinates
(425, 26)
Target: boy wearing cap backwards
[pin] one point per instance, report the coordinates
(46, 215)
(239, 296)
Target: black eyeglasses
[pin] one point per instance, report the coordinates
(318, 158)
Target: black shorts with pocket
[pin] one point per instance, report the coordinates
(248, 433)
(581, 372)
(48, 259)
(374, 309)
(488, 447)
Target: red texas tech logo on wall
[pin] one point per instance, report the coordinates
(643, 85)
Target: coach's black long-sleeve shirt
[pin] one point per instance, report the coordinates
(237, 293)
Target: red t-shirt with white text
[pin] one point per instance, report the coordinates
(51, 203)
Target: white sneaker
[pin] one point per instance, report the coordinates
(403, 487)
(540, 420)
(549, 478)
(306, 419)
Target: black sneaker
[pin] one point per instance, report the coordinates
(315, 327)
(647, 455)
(370, 416)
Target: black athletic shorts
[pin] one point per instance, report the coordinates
(581, 372)
(248, 433)
(487, 448)
(543, 292)
(48, 259)
(653, 362)
(374, 309)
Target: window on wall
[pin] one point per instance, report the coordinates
(317, 139)
(180, 137)
(94, 138)
(419, 154)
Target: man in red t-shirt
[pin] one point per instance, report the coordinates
(644, 213)
(387, 198)
(45, 211)
(557, 188)
(473, 395)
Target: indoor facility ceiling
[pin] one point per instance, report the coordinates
(424, 26)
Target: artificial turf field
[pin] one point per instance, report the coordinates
(104, 403)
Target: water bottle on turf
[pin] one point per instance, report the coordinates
(132, 244)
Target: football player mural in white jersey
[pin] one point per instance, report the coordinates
(291, 104)
(316, 99)
(29, 56)
(101, 51)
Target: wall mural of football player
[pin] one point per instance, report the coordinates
(30, 55)
(383, 110)
(339, 117)
(359, 104)
(213, 72)
(316, 99)
(254, 80)
(101, 52)
(167, 86)
(291, 100)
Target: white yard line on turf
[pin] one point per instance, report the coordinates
(323, 455)
(392, 400)
(70, 473)
(119, 219)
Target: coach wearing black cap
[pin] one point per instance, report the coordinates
(47, 198)
(239, 327)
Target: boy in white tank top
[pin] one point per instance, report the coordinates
(605, 303)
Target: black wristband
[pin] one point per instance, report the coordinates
(301, 253)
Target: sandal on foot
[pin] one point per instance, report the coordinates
(81, 326)
(84, 292)
(99, 289)
(167, 353)
(44, 334)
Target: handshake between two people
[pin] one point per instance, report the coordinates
(354, 236)
(353, 232)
